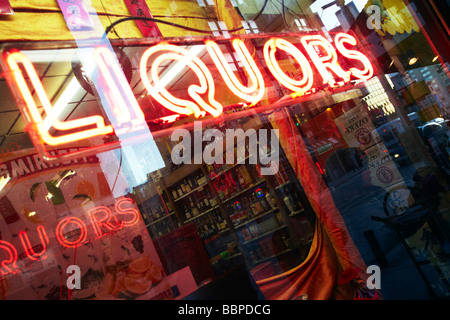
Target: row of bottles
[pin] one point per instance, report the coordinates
(210, 225)
(250, 205)
(188, 184)
(198, 202)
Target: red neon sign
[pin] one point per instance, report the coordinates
(31, 253)
(312, 52)
(70, 232)
(12, 61)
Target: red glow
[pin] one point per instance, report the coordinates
(339, 41)
(8, 265)
(328, 62)
(12, 60)
(101, 219)
(252, 94)
(126, 115)
(298, 86)
(320, 169)
(27, 245)
(127, 211)
(60, 235)
(159, 92)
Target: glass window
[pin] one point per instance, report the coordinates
(240, 153)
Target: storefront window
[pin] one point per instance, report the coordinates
(224, 150)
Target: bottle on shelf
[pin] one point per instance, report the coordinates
(287, 202)
(186, 210)
(240, 179)
(271, 200)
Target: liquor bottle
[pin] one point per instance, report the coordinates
(186, 210)
(179, 191)
(194, 208)
(262, 199)
(199, 202)
(191, 184)
(287, 202)
(245, 175)
(271, 200)
(183, 187)
(174, 193)
(241, 180)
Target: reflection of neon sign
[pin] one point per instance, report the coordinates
(71, 232)
(126, 113)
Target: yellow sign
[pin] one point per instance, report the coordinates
(395, 18)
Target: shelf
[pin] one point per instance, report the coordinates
(160, 219)
(215, 236)
(192, 191)
(201, 214)
(228, 169)
(255, 218)
(272, 256)
(243, 191)
(260, 236)
(296, 212)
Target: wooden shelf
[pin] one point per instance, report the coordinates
(160, 219)
(255, 218)
(192, 191)
(201, 214)
(262, 235)
(272, 256)
(243, 191)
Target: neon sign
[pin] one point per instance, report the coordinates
(311, 52)
(71, 232)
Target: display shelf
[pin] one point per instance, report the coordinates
(271, 256)
(201, 214)
(243, 191)
(296, 212)
(260, 236)
(218, 174)
(192, 191)
(161, 219)
(255, 218)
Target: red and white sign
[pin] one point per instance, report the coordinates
(66, 215)
(75, 14)
(5, 8)
(139, 8)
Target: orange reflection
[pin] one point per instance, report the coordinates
(13, 59)
(255, 91)
(327, 59)
(339, 41)
(159, 92)
(298, 86)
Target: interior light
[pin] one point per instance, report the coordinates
(435, 58)
(396, 155)
(3, 181)
(412, 61)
